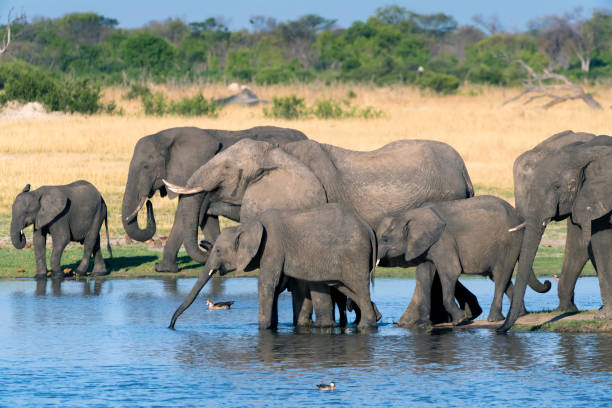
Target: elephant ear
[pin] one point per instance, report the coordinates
(594, 199)
(52, 203)
(422, 230)
(247, 243)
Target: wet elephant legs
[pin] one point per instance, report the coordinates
(575, 257)
(601, 256)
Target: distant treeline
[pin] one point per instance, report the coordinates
(393, 46)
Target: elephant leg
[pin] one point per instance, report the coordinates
(361, 296)
(89, 245)
(575, 257)
(510, 292)
(40, 253)
(99, 268)
(267, 285)
(339, 299)
(210, 228)
(320, 293)
(172, 246)
(301, 302)
(419, 310)
(467, 301)
(59, 244)
(449, 270)
(501, 278)
(601, 251)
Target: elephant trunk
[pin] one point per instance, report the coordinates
(193, 205)
(531, 241)
(129, 215)
(200, 283)
(17, 237)
(536, 285)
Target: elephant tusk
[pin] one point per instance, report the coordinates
(142, 201)
(211, 272)
(377, 261)
(517, 228)
(182, 190)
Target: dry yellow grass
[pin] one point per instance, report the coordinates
(98, 148)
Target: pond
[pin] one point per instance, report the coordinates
(106, 343)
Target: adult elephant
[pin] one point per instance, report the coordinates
(259, 176)
(574, 182)
(174, 154)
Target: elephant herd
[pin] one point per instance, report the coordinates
(316, 219)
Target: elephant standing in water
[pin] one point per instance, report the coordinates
(574, 182)
(174, 154)
(330, 245)
(259, 176)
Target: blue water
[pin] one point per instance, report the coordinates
(106, 343)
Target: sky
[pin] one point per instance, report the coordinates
(513, 15)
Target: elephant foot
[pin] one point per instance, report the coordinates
(166, 267)
(100, 273)
(57, 276)
(80, 272)
(367, 328)
(39, 276)
(414, 322)
(604, 313)
(324, 325)
(565, 307)
(377, 312)
(495, 316)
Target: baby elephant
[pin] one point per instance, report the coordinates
(331, 245)
(71, 212)
(470, 236)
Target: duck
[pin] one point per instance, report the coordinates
(326, 387)
(218, 305)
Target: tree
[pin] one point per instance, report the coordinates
(6, 38)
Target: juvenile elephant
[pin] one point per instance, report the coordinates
(259, 176)
(174, 154)
(71, 212)
(572, 182)
(453, 237)
(330, 244)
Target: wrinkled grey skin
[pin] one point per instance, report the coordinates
(330, 244)
(174, 154)
(71, 212)
(575, 182)
(401, 175)
(464, 236)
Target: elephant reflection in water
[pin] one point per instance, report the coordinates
(56, 287)
(216, 287)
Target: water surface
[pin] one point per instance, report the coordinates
(106, 344)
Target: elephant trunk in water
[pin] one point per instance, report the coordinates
(193, 204)
(17, 237)
(531, 241)
(130, 206)
(200, 283)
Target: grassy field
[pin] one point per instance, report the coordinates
(64, 148)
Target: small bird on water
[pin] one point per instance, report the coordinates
(218, 305)
(326, 387)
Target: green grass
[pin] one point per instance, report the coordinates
(585, 323)
(138, 261)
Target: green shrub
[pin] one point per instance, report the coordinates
(289, 107)
(196, 106)
(327, 109)
(137, 91)
(441, 83)
(154, 104)
(25, 83)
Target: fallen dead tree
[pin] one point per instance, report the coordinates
(556, 87)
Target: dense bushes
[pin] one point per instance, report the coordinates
(25, 83)
(292, 107)
(156, 104)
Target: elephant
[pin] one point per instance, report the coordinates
(71, 212)
(463, 236)
(576, 249)
(329, 244)
(259, 176)
(573, 182)
(174, 154)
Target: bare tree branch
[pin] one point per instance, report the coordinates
(7, 37)
(539, 86)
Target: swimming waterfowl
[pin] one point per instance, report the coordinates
(326, 387)
(218, 305)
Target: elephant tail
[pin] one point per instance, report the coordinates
(469, 187)
(374, 261)
(108, 246)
